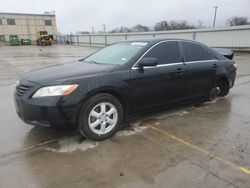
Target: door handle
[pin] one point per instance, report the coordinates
(215, 66)
(179, 71)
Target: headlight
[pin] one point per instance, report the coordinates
(55, 90)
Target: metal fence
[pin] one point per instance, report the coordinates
(229, 37)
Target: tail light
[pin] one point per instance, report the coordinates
(235, 66)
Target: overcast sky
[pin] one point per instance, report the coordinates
(81, 15)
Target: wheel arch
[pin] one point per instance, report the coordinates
(115, 94)
(110, 91)
(224, 79)
(221, 79)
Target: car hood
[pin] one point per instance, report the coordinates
(67, 71)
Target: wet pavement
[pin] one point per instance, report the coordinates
(204, 146)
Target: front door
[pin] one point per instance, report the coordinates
(161, 84)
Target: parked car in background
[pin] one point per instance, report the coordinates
(97, 94)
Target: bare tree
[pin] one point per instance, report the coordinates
(237, 20)
(161, 26)
(181, 25)
(140, 28)
(173, 25)
(121, 30)
(199, 24)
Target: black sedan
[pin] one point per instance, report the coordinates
(97, 94)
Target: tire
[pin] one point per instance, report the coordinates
(219, 89)
(213, 93)
(224, 87)
(100, 117)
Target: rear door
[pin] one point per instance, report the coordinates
(201, 66)
(162, 84)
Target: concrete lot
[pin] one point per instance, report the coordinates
(205, 146)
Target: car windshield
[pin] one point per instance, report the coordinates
(119, 53)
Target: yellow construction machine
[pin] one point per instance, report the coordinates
(43, 38)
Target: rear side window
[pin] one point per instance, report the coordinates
(166, 52)
(195, 52)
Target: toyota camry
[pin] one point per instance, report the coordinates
(98, 94)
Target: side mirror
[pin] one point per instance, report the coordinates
(147, 62)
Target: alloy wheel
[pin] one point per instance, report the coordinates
(214, 93)
(102, 118)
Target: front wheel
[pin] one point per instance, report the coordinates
(100, 117)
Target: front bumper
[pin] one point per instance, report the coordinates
(36, 114)
(57, 111)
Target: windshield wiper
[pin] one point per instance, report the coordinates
(90, 61)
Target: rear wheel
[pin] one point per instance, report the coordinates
(213, 93)
(219, 89)
(100, 117)
(224, 87)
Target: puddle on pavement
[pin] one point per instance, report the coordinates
(71, 144)
(170, 114)
(187, 110)
(133, 128)
(78, 143)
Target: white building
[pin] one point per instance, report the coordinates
(26, 25)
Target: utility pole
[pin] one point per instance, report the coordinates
(93, 29)
(104, 28)
(215, 13)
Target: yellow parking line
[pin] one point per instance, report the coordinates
(167, 134)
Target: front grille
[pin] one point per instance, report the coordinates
(22, 89)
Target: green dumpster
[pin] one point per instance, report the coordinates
(25, 42)
(14, 40)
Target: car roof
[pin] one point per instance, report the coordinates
(156, 40)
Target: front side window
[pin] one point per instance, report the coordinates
(119, 53)
(11, 21)
(165, 53)
(48, 22)
(195, 52)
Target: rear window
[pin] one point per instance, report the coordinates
(195, 52)
(165, 53)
